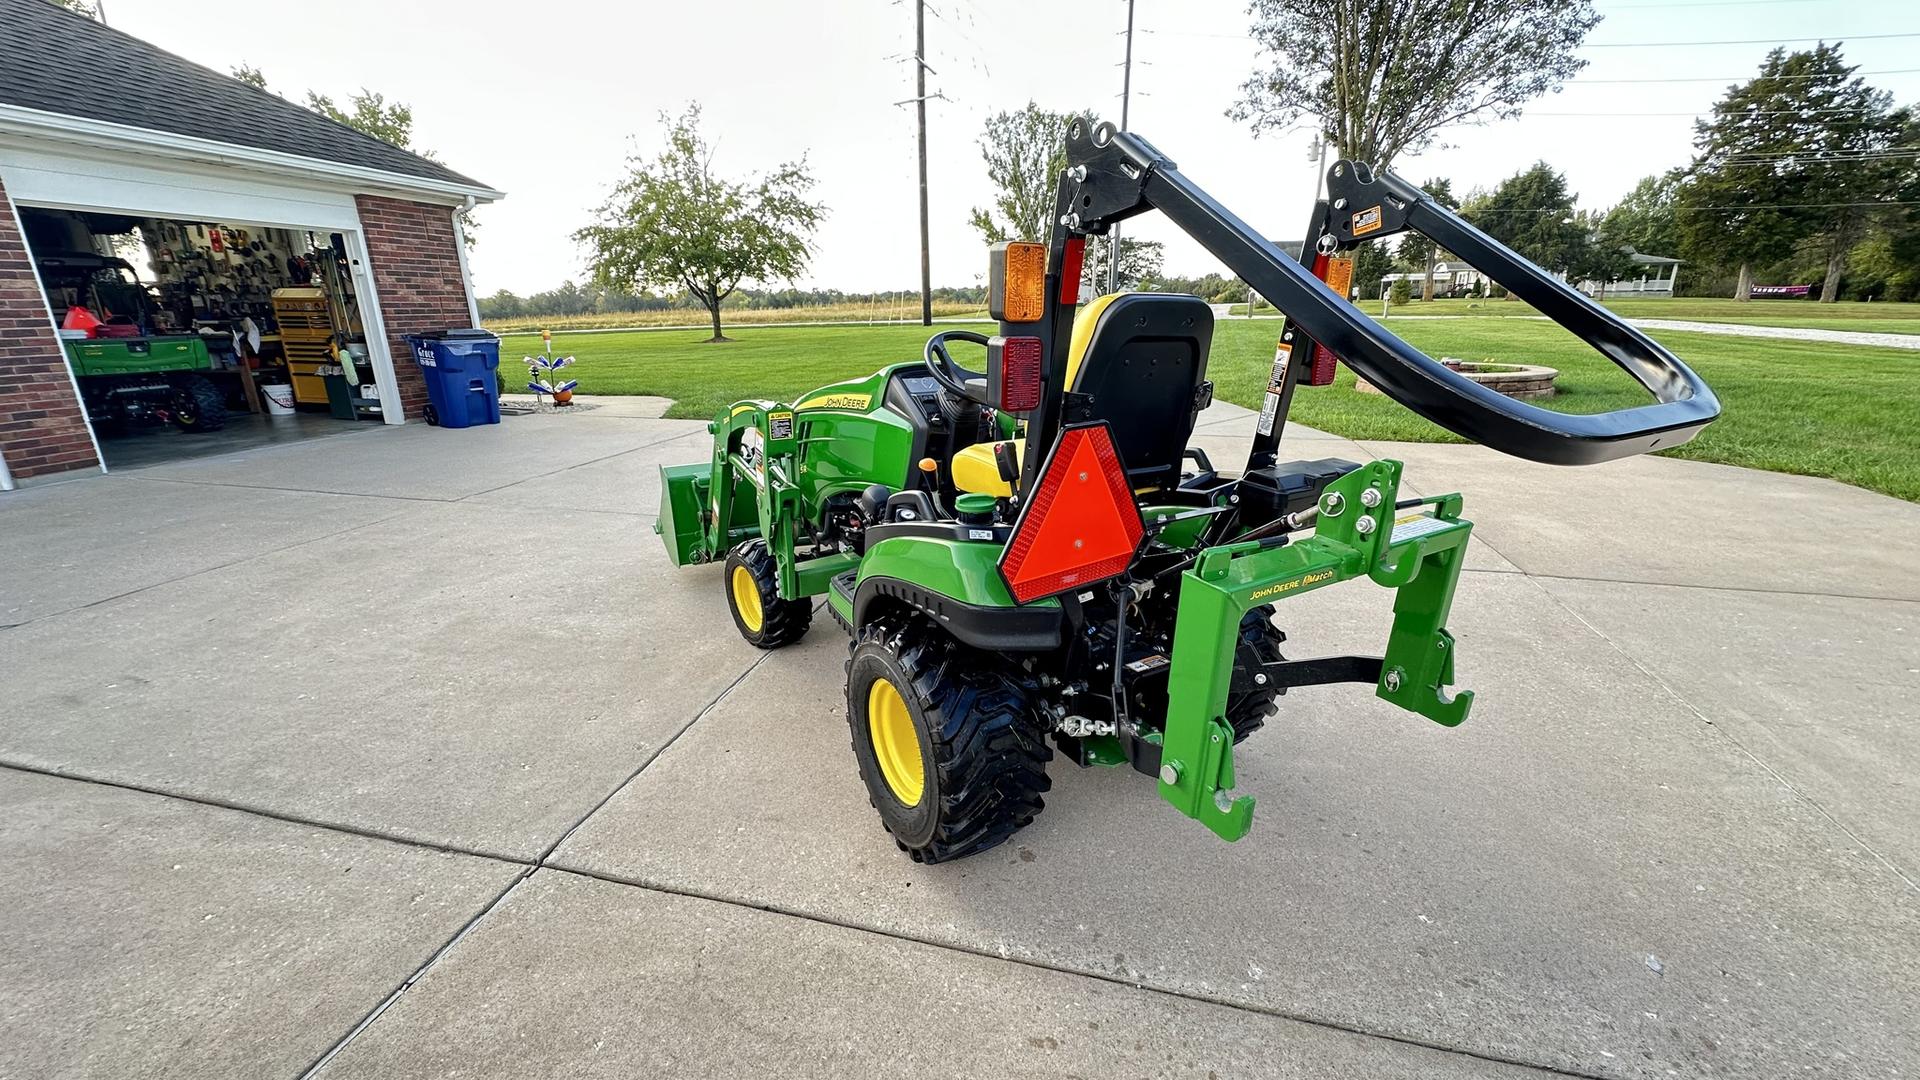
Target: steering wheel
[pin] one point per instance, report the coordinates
(952, 377)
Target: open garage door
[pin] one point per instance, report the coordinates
(202, 316)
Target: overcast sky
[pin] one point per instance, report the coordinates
(544, 101)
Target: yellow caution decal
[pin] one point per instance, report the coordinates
(1367, 221)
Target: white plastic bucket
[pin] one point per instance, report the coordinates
(279, 398)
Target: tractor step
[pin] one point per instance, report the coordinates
(840, 598)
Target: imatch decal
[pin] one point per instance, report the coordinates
(1367, 221)
(1301, 582)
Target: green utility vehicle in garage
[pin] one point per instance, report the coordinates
(1031, 557)
(128, 380)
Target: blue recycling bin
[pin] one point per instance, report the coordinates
(458, 366)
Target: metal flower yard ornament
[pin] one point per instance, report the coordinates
(544, 371)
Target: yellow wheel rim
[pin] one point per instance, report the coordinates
(746, 599)
(895, 745)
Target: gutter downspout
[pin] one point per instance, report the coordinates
(460, 248)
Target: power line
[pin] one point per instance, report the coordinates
(1735, 78)
(1813, 158)
(1702, 3)
(1743, 41)
(1471, 214)
(1743, 112)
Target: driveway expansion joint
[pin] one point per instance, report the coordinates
(1060, 969)
(262, 812)
(1721, 731)
(530, 869)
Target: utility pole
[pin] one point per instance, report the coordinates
(1319, 156)
(1126, 94)
(920, 105)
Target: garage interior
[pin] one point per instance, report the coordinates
(192, 338)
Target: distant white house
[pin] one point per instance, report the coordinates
(1655, 276)
(1449, 279)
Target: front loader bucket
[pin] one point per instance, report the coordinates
(683, 491)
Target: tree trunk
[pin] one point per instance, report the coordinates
(713, 309)
(1836, 265)
(1743, 285)
(1426, 292)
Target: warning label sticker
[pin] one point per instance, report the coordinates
(1366, 221)
(1414, 526)
(1268, 410)
(1282, 356)
(1148, 663)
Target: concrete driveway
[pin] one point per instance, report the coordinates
(408, 755)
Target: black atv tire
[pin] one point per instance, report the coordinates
(1249, 700)
(982, 750)
(750, 577)
(197, 405)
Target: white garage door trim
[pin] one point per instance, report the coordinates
(70, 181)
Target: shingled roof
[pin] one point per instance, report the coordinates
(58, 62)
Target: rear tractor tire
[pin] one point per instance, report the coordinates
(952, 753)
(752, 582)
(198, 405)
(1252, 697)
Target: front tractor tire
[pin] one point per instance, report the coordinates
(752, 582)
(951, 751)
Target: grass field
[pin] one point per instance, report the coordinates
(1845, 412)
(1864, 318)
(905, 311)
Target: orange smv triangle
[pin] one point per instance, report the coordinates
(1081, 526)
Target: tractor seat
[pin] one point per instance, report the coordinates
(1143, 358)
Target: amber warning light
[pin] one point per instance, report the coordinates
(1017, 282)
(1081, 526)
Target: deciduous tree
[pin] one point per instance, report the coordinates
(672, 223)
(1789, 156)
(1139, 262)
(1025, 151)
(367, 113)
(1384, 77)
(1645, 219)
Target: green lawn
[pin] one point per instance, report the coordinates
(1875, 318)
(1846, 412)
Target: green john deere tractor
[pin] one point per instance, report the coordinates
(1030, 557)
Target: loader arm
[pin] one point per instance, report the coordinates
(1113, 175)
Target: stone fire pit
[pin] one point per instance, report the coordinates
(1513, 380)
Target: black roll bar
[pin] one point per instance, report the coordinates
(1113, 175)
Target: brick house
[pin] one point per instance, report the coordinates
(190, 154)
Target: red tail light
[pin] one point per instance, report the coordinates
(1081, 526)
(1013, 372)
